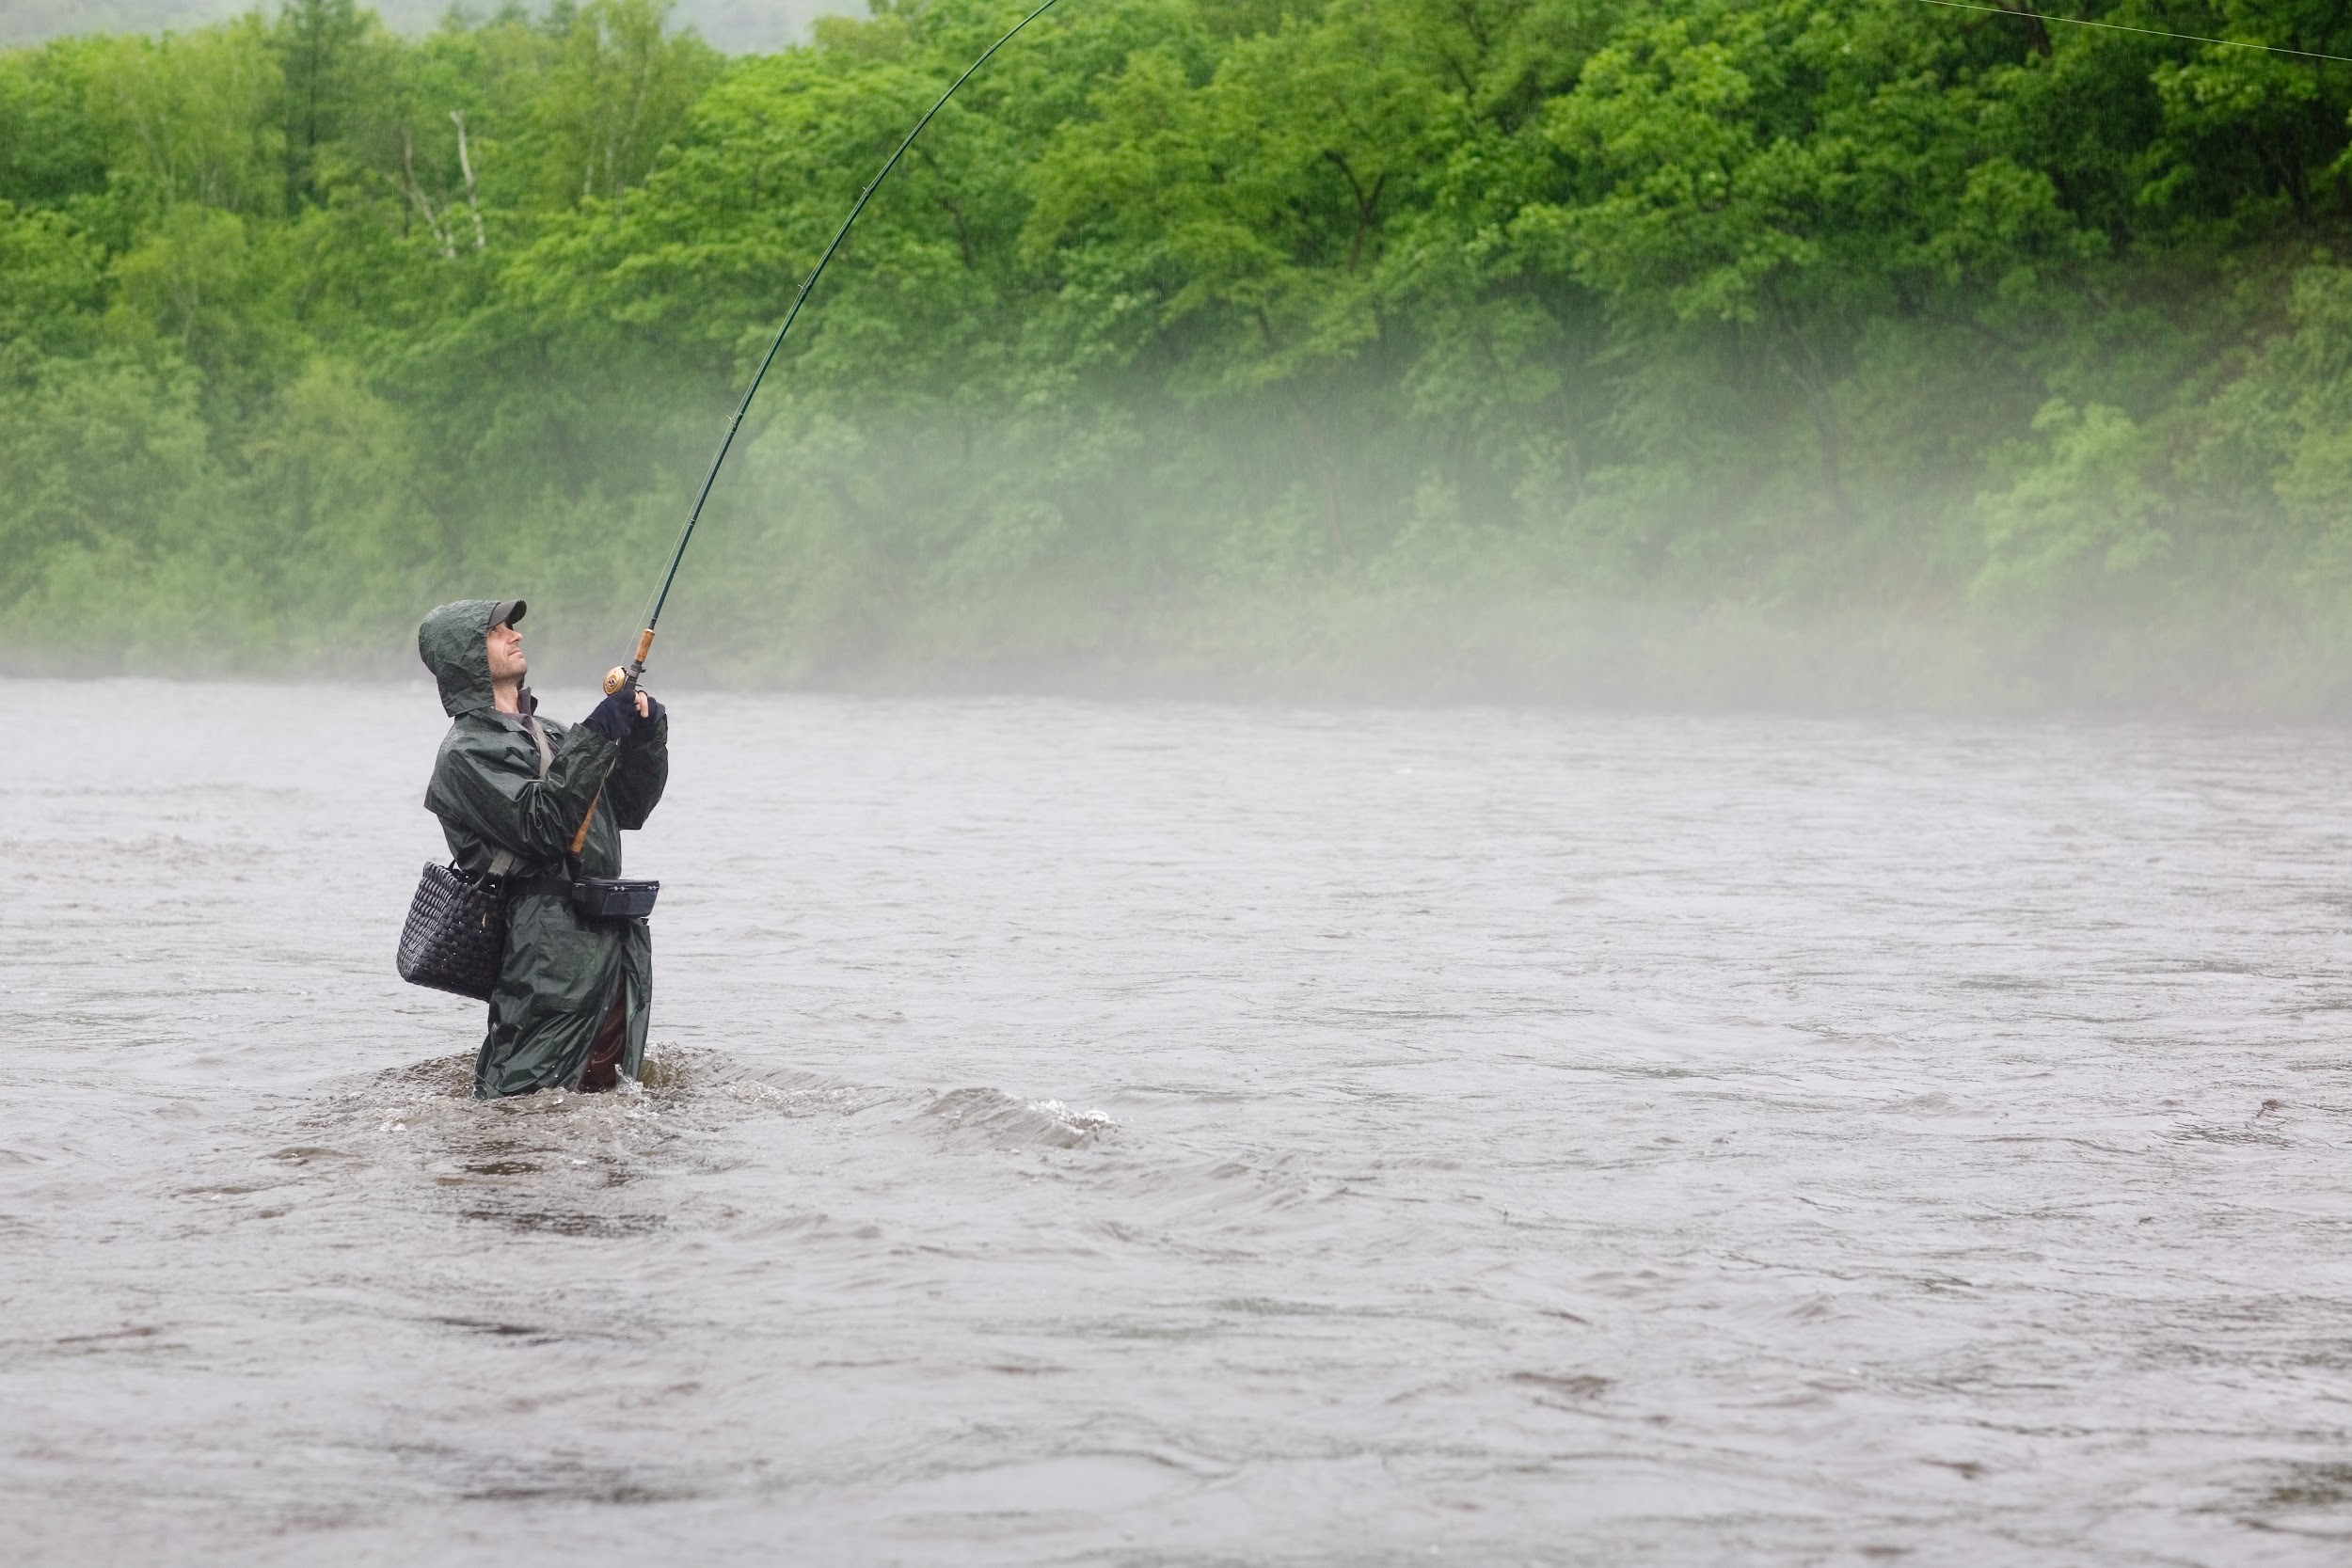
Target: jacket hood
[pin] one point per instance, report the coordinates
(451, 643)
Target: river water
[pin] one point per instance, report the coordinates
(1184, 1134)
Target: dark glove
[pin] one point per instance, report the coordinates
(614, 715)
(642, 730)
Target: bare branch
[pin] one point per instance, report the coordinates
(416, 194)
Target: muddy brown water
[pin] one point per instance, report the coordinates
(1182, 1134)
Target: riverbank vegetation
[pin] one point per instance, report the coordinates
(1816, 350)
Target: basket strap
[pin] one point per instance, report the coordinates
(503, 861)
(539, 738)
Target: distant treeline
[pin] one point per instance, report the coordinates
(730, 24)
(1646, 348)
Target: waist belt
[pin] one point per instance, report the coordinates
(522, 887)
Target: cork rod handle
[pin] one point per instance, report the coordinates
(616, 680)
(580, 839)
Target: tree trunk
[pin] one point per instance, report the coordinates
(473, 196)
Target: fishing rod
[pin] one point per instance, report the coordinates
(622, 677)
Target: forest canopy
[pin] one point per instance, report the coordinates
(1797, 350)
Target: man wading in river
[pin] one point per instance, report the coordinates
(511, 788)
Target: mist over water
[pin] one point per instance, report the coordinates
(1085, 1132)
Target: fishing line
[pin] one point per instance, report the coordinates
(621, 677)
(2149, 32)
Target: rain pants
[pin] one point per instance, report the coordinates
(509, 801)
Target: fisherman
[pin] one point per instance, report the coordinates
(510, 790)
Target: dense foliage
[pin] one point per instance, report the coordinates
(1520, 346)
(730, 24)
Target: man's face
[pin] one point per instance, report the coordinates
(505, 647)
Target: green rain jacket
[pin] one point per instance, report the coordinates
(495, 789)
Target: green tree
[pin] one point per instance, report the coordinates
(620, 91)
(192, 117)
(323, 64)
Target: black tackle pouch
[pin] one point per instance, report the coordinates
(611, 898)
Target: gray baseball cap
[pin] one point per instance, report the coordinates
(508, 613)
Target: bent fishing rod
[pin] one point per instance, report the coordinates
(623, 676)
